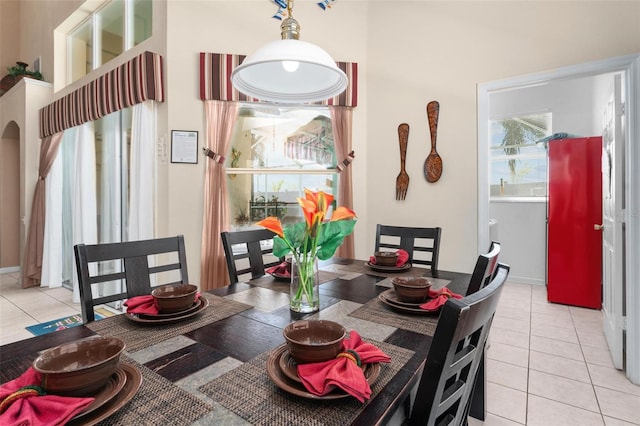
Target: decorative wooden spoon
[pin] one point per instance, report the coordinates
(433, 163)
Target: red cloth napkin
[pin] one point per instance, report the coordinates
(439, 298)
(37, 410)
(403, 257)
(322, 377)
(144, 305)
(281, 269)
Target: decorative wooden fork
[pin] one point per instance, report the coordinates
(402, 181)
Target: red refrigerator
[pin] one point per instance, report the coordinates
(574, 206)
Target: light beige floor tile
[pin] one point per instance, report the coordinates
(553, 332)
(563, 390)
(521, 326)
(508, 337)
(516, 303)
(545, 412)
(560, 366)
(586, 313)
(610, 421)
(599, 356)
(588, 324)
(558, 319)
(60, 293)
(507, 311)
(611, 378)
(14, 335)
(619, 405)
(508, 354)
(556, 347)
(60, 310)
(592, 339)
(507, 374)
(492, 420)
(506, 402)
(547, 308)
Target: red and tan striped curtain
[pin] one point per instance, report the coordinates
(133, 82)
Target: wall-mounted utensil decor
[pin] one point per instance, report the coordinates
(433, 163)
(402, 181)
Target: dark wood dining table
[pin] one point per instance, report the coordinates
(210, 368)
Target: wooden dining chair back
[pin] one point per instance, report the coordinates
(248, 252)
(414, 241)
(485, 268)
(455, 353)
(127, 267)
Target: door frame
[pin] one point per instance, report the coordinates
(630, 64)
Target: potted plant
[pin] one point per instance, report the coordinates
(17, 73)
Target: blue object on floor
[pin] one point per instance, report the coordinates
(59, 324)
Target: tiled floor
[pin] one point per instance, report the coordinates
(547, 364)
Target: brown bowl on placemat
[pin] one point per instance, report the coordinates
(174, 297)
(411, 289)
(386, 258)
(81, 367)
(314, 340)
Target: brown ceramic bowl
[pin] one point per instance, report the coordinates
(311, 341)
(79, 368)
(411, 289)
(386, 258)
(174, 297)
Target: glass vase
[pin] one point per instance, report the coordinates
(304, 294)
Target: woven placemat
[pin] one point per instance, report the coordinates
(376, 311)
(267, 281)
(248, 392)
(158, 402)
(142, 335)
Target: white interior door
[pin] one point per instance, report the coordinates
(613, 173)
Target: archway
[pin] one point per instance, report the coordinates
(10, 196)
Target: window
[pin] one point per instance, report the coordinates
(518, 163)
(116, 26)
(275, 154)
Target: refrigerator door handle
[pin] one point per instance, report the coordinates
(597, 227)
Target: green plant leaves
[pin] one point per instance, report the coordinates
(329, 238)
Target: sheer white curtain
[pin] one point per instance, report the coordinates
(84, 213)
(111, 179)
(52, 258)
(142, 178)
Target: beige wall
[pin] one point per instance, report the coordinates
(409, 53)
(437, 50)
(10, 196)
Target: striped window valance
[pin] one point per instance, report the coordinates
(134, 82)
(215, 80)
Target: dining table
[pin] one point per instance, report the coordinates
(211, 367)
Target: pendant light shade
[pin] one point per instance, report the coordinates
(289, 71)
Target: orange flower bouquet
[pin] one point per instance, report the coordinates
(315, 238)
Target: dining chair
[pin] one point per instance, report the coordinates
(485, 268)
(447, 381)
(248, 252)
(127, 268)
(412, 240)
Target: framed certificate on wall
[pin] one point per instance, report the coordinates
(184, 146)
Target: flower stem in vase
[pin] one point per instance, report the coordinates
(304, 292)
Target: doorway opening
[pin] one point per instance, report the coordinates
(10, 195)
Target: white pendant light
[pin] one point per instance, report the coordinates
(289, 71)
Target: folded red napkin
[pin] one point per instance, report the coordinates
(439, 298)
(144, 305)
(21, 403)
(343, 372)
(403, 257)
(281, 269)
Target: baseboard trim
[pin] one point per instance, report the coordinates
(525, 280)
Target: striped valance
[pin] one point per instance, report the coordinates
(215, 80)
(134, 82)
